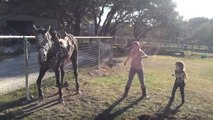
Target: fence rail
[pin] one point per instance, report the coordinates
(77, 37)
(21, 71)
(9, 36)
(93, 51)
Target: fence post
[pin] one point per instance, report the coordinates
(99, 54)
(26, 68)
(111, 52)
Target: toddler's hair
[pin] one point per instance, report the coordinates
(181, 65)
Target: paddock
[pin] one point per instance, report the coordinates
(103, 87)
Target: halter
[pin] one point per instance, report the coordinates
(44, 39)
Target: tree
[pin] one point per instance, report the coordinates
(152, 14)
(115, 15)
(201, 30)
(75, 11)
(204, 33)
(143, 15)
(68, 12)
(197, 21)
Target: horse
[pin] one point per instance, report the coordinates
(53, 54)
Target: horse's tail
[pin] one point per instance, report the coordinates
(72, 38)
(74, 42)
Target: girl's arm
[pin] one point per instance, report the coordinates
(144, 55)
(178, 76)
(129, 56)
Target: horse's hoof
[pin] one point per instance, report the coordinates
(78, 91)
(41, 97)
(66, 84)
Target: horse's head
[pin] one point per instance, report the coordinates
(44, 43)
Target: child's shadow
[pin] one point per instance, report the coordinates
(168, 111)
(106, 115)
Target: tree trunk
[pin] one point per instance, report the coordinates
(77, 25)
(77, 29)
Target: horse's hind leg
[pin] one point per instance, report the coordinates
(42, 72)
(59, 85)
(75, 67)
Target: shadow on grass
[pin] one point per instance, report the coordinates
(23, 109)
(115, 63)
(120, 52)
(16, 103)
(28, 110)
(166, 113)
(20, 108)
(107, 115)
(35, 106)
(4, 115)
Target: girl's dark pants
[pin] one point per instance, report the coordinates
(132, 73)
(176, 85)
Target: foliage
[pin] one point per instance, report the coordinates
(202, 31)
(72, 14)
(152, 14)
(69, 12)
(142, 15)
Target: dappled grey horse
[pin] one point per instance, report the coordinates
(54, 53)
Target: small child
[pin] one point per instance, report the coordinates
(180, 75)
(136, 54)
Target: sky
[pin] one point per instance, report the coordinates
(194, 8)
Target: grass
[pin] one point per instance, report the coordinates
(102, 91)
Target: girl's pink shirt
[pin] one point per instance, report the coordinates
(136, 56)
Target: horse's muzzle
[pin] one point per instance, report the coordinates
(42, 54)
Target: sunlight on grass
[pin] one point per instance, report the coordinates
(101, 95)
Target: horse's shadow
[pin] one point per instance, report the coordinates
(107, 115)
(27, 108)
(8, 105)
(4, 107)
(34, 107)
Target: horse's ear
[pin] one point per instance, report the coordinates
(35, 28)
(49, 29)
(65, 32)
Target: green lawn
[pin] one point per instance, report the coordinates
(102, 91)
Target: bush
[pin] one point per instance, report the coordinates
(203, 56)
(171, 52)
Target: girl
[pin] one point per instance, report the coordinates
(180, 75)
(136, 54)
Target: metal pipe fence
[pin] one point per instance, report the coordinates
(22, 70)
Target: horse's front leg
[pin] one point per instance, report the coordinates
(75, 67)
(62, 75)
(59, 85)
(42, 72)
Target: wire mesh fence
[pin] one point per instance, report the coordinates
(92, 52)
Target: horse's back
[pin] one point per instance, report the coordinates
(69, 43)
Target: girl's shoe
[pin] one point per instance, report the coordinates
(145, 96)
(183, 101)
